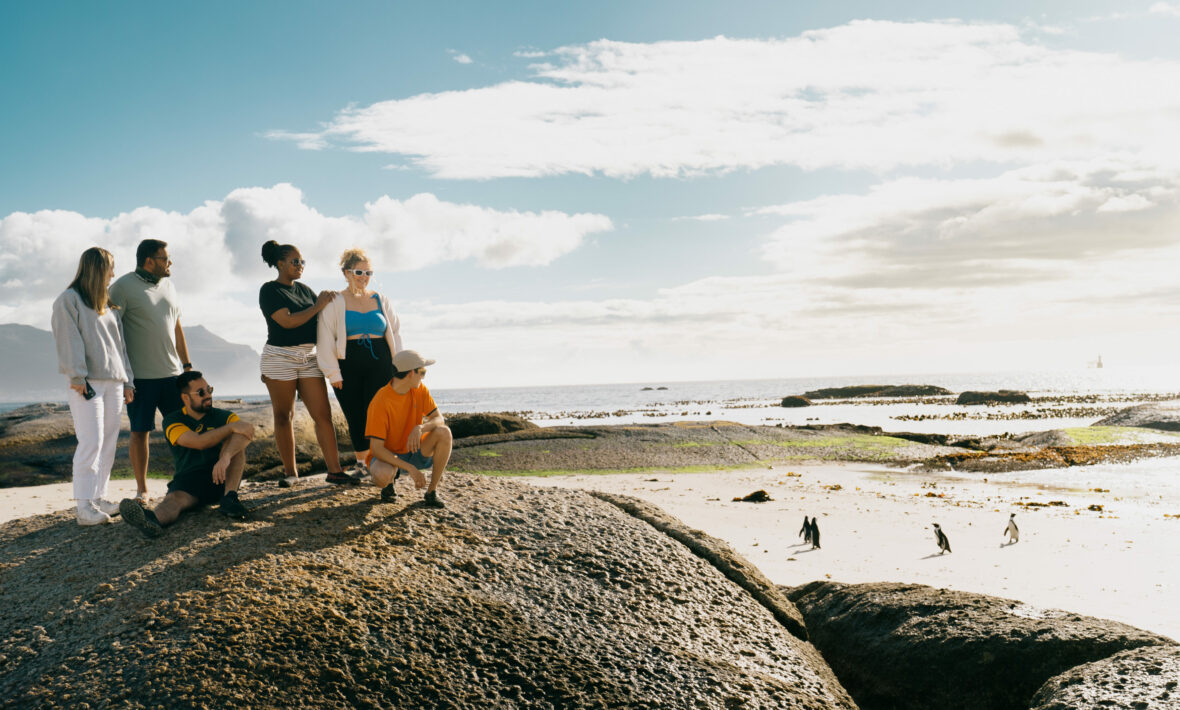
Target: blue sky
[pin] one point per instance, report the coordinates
(621, 191)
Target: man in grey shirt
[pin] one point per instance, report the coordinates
(155, 346)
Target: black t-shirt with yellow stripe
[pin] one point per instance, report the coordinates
(186, 460)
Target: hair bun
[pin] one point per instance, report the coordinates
(270, 252)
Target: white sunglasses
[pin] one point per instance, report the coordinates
(358, 272)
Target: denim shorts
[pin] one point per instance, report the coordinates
(151, 395)
(417, 460)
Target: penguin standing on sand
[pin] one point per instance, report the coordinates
(944, 544)
(805, 531)
(814, 533)
(1012, 531)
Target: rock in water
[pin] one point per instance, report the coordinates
(513, 596)
(1157, 415)
(796, 401)
(912, 646)
(999, 397)
(876, 391)
(1141, 678)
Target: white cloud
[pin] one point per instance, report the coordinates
(1164, 8)
(220, 240)
(873, 95)
(711, 217)
(462, 58)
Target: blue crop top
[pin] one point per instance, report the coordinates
(371, 323)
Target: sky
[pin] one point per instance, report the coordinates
(560, 193)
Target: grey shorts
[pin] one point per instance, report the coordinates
(417, 460)
(293, 363)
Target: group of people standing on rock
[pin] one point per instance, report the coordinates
(122, 343)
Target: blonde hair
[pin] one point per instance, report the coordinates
(352, 257)
(91, 280)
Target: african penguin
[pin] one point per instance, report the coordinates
(944, 544)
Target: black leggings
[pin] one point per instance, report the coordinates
(365, 370)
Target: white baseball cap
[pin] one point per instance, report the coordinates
(407, 360)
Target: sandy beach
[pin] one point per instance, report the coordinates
(1122, 563)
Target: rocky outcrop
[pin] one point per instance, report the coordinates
(464, 425)
(1157, 415)
(876, 391)
(998, 397)
(795, 401)
(513, 596)
(1141, 678)
(37, 443)
(911, 646)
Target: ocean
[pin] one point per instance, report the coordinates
(1068, 398)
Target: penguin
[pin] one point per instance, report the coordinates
(944, 544)
(805, 531)
(814, 533)
(1012, 531)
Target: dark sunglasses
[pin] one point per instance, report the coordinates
(359, 272)
(297, 262)
(203, 392)
(421, 371)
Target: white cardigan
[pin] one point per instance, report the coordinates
(332, 338)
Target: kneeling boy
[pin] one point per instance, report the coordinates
(208, 453)
(406, 432)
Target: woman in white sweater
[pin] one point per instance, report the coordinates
(91, 354)
(358, 335)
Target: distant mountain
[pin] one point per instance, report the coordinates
(29, 372)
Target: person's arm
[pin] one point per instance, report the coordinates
(71, 350)
(192, 440)
(182, 347)
(394, 325)
(129, 385)
(237, 444)
(325, 346)
(432, 421)
(377, 448)
(287, 319)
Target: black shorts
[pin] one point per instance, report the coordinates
(199, 484)
(151, 395)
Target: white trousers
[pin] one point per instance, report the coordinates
(96, 424)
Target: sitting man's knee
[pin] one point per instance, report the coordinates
(443, 432)
(381, 472)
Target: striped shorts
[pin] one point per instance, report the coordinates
(290, 363)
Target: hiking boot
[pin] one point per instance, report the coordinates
(340, 478)
(136, 515)
(388, 495)
(288, 481)
(431, 500)
(88, 514)
(359, 472)
(231, 507)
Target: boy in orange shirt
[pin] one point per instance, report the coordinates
(406, 431)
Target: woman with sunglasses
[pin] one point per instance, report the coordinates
(289, 362)
(88, 333)
(358, 337)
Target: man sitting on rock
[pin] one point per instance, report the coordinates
(208, 453)
(406, 431)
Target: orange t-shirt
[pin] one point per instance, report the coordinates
(392, 416)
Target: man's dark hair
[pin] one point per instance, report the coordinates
(398, 375)
(184, 379)
(147, 249)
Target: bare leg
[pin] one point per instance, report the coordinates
(437, 445)
(137, 450)
(314, 394)
(382, 473)
(237, 464)
(173, 505)
(282, 403)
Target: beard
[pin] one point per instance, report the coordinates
(201, 407)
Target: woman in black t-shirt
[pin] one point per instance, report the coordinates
(289, 363)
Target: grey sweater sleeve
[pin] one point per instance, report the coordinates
(130, 383)
(71, 350)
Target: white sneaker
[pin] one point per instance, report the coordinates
(87, 514)
(109, 507)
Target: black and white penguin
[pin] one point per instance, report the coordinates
(805, 531)
(944, 544)
(1012, 531)
(814, 533)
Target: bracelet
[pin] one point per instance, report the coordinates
(187, 366)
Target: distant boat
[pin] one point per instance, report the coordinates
(1099, 363)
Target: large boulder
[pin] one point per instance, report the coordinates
(1156, 415)
(876, 391)
(795, 401)
(464, 425)
(1144, 677)
(512, 596)
(912, 646)
(998, 397)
